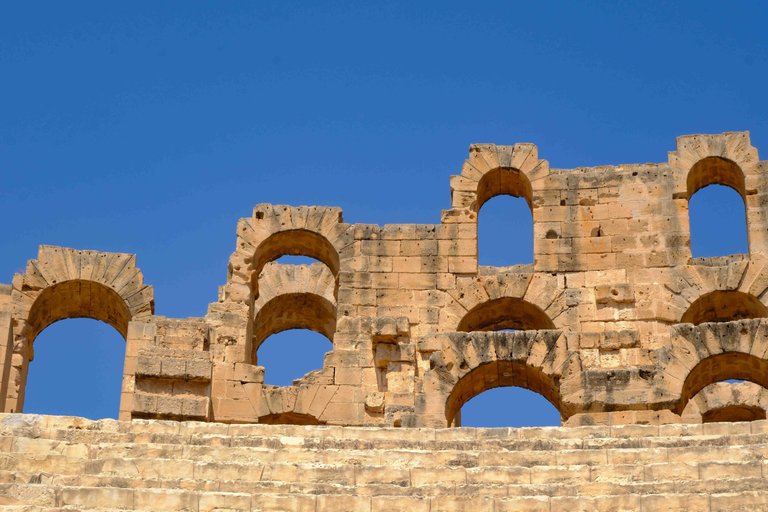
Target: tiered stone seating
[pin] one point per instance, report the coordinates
(66, 463)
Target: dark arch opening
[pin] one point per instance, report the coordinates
(503, 181)
(721, 367)
(499, 374)
(290, 418)
(505, 313)
(291, 354)
(77, 370)
(724, 306)
(294, 311)
(732, 413)
(715, 170)
(294, 242)
(718, 222)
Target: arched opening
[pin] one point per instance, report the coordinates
(288, 259)
(717, 213)
(724, 306)
(290, 418)
(289, 355)
(77, 370)
(503, 181)
(295, 242)
(715, 170)
(500, 374)
(505, 225)
(77, 299)
(505, 232)
(71, 299)
(505, 313)
(291, 352)
(718, 222)
(722, 367)
(509, 407)
(733, 413)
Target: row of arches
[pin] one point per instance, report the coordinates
(534, 400)
(277, 311)
(716, 199)
(507, 316)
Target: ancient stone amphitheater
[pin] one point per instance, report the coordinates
(657, 361)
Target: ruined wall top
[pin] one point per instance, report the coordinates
(614, 322)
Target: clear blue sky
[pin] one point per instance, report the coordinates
(150, 127)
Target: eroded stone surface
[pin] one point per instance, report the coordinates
(64, 463)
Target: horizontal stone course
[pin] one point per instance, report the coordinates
(61, 463)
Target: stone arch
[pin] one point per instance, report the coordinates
(294, 311)
(503, 181)
(66, 283)
(723, 306)
(535, 300)
(294, 242)
(700, 355)
(289, 418)
(726, 159)
(721, 367)
(505, 313)
(499, 374)
(727, 401)
(478, 361)
(715, 170)
(277, 279)
(294, 297)
(277, 230)
(493, 170)
(687, 289)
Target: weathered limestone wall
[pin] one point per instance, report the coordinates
(63, 463)
(616, 322)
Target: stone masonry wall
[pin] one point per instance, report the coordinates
(614, 322)
(59, 463)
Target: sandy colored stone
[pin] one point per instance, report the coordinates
(615, 322)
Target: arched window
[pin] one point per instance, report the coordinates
(295, 242)
(505, 224)
(724, 306)
(716, 208)
(505, 232)
(499, 374)
(293, 323)
(505, 313)
(729, 400)
(67, 300)
(77, 370)
(721, 368)
(509, 407)
(718, 222)
(290, 354)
